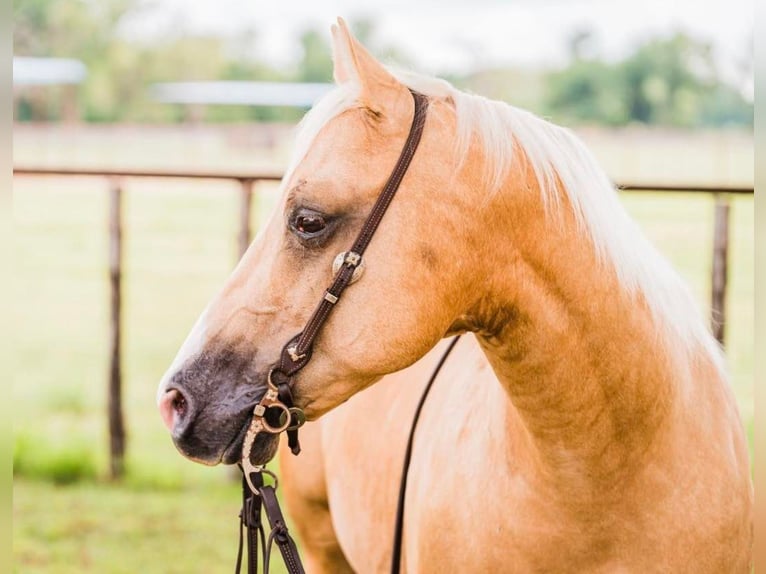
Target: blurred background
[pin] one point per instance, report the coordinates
(148, 135)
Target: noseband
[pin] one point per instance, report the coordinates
(276, 413)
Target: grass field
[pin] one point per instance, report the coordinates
(171, 515)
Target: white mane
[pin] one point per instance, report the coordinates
(555, 153)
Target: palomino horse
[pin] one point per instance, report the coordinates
(586, 425)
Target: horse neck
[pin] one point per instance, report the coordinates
(581, 360)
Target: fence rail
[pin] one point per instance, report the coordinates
(246, 181)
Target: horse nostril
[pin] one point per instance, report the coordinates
(179, 404)
(173, 407)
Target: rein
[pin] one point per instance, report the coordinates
(275, 412)
(396, 556)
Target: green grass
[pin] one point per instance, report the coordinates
(112, 529)
(62, 459)
(171, 515)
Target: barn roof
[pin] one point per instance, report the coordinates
(47, 71)
(301, 95)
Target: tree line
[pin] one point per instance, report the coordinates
(670, 81)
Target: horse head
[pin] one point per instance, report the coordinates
(414, 287)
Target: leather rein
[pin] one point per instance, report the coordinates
(275, 412)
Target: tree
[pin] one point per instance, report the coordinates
(316, 63)
(65, 28)
(668, 81)
(590, 92)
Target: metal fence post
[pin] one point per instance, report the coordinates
(720, 267)
(116, 421)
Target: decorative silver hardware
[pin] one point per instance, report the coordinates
(293, 352)
(259, 424)
(351, 258)
(330, 297)
(284, 414)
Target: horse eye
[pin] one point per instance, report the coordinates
(309, 223)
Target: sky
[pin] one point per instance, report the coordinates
(454, 36)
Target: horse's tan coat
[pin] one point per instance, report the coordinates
(561, 437)
(593, 454)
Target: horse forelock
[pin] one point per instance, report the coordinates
(562, 164)
(332, 104)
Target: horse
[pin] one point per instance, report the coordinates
(584, 423)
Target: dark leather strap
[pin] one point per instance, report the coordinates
(297, 352)
(396, 555)
(306, 338)
(279, 533)
(250, 520)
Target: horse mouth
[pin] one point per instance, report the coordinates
(232, 454)
(264, 447)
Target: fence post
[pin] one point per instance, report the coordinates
(245, 201)
(720, 265)
(116, 422)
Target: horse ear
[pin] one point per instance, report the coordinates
(352, 62)
(342, 60)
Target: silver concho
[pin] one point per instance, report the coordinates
(338, 261)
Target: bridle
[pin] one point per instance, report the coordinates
(275, 412)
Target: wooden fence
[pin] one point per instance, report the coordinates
(246, 182)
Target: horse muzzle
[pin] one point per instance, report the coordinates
(207, 410)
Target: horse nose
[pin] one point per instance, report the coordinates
(175, 410)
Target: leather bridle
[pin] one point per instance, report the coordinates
(275, 412)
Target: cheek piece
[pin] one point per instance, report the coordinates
(276, 413)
